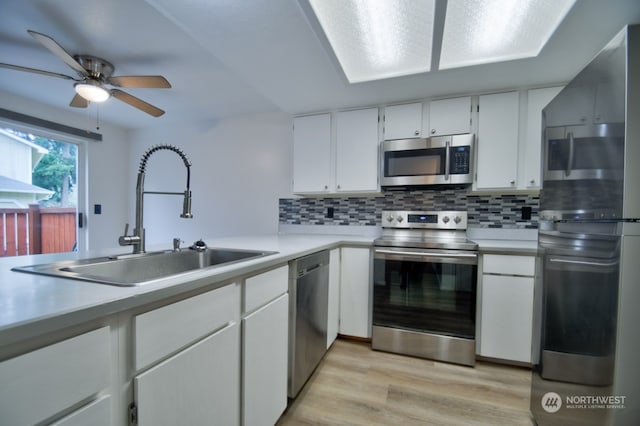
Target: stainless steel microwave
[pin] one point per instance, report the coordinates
(584, 152)
(439, 160)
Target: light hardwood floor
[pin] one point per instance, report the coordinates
(354, 385)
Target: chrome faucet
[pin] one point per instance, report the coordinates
(137, 238)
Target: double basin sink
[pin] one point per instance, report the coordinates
(139, 269)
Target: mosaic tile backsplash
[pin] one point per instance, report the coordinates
(486, 211)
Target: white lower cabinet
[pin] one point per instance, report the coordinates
(96, 413)
(47, 383)
(355, 292)
(333, 311)
(265, 347)
(264, 363)
(506, 322)
(187, 356)
(197, 386)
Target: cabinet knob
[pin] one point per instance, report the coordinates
(417, 133)
(433, 131)
(532, 181)
(338, 186)
(513, 182)
(326, 187)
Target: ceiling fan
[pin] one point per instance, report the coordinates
(94, 74)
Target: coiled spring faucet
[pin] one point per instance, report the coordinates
(137, 239)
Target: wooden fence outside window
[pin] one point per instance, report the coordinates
(37, 230)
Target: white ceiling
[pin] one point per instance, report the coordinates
(229, 57)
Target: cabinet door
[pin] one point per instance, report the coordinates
(197, 385)
(403, 121)
(355, 292)
(333, 315)
(498, 140)
(575, 107)
(44, 382)
(357, 150)
(507, 317)
(97, 413)
(450, 116)
(264, 363)
(312, 153)
(537, 99)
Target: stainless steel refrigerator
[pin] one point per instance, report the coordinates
(587, 294)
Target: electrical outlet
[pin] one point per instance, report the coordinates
(526, 213)
(329, 212)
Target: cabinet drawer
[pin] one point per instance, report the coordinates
(265, 287)
(40, 384)
(97, 413)
(508, 264)
(165, 330)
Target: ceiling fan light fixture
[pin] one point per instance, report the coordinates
(92, 91)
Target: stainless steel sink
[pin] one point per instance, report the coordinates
(139, 269)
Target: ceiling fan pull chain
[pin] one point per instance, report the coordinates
(97, 116)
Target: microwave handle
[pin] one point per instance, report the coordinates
(567, 171)
(447, 148)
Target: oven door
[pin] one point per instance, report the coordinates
(580, 307)
(423, 290)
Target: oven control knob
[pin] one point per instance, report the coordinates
(389, 218)
(400, 219)
(445, 219)
(457, 219)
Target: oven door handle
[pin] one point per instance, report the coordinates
(467, 258)
(583, 262)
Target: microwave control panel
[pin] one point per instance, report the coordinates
(460, 159)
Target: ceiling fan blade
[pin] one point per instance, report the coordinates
(79, 102)
(137, 103)
(142, 81)
(36, 71)
(59, 51)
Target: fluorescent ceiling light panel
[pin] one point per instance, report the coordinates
(484, 31)
(376, 39)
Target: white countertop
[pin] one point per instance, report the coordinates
(33, 305)
(505, 241)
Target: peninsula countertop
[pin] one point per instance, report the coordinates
(33, 305)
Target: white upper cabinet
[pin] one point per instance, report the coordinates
(577, 107)
(403, 121)
(537, 99)
(449, 116)
(357, 150)
(498, 140)
(312, 153)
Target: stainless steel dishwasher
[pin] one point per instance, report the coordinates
(308, 307)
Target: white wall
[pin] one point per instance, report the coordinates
(109, 174)
(240, 168)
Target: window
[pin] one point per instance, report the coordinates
(42, 188)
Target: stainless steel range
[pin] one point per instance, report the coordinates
(424, 289)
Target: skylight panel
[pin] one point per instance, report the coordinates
(485, 31)
(377, 39)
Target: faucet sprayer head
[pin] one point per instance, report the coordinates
(186, 206)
